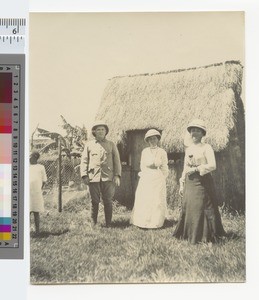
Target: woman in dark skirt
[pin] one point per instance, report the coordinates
(200, 219)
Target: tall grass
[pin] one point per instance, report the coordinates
(70, 251)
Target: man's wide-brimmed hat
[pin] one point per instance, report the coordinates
(152, 132)
(197, 123)
(99, 123)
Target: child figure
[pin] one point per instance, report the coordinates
(38, 178)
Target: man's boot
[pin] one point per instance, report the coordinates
(94, 214)
(108, 214)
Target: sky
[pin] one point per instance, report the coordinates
(73, 55)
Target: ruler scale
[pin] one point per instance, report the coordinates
(12, 26)
(12, 97)
(12, 35)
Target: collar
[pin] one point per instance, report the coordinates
(100, 141)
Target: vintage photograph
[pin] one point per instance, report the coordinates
(137, 147)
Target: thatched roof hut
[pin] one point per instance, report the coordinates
(168, 101)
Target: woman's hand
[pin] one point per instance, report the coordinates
(191, 170)
(181, 190)
(85, 180)
(152, 166)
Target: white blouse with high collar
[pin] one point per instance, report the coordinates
(154, 156)
(200, 156)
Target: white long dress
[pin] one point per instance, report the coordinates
(150, 207)
(37, 177)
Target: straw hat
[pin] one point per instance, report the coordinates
(197, 123)
(99, 123)
(152, 132)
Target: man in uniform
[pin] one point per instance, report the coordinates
(101, 170)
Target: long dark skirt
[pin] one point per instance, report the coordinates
(200, 219)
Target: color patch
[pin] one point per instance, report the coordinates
(5, 221)
(5, 236)
(5, 118)
(5, 87)
(5, 193)
(5, 148)
(5, 228)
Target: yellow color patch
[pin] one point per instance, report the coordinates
(5, 236)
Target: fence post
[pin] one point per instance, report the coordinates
(59, 177)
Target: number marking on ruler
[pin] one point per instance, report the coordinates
(12, 33)
(12, 26)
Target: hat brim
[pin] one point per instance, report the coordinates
(104, 125)
(196, 126)
(158, 136)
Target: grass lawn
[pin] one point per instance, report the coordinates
(70, 251)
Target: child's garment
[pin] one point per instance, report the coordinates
(37, 178)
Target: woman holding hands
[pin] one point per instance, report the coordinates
(150, 207)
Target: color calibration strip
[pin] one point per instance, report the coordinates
(5, 154)
(11, 154)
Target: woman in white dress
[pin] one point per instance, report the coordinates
(37, 179)
(150, 207)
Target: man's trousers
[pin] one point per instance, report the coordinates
(104, 190)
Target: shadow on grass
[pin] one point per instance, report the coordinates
(39, 274)
(120, 224)
(169, 223)
(232, 236)
(126, 223)
(229, 236)
(44, 234)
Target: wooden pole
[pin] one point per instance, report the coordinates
(59, 177)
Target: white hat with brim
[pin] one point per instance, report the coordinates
(198, 124)
(152, 132)
(99, 123)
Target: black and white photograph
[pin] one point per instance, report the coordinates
(137, 147)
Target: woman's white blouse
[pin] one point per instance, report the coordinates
(156, 157)
(200, 156)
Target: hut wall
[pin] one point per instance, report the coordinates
(230, 174)
(136, 144)
(172, 182)
(231, 166)
(229, 180)
(239, 130)
(125, 193)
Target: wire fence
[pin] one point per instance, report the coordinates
(67, 178)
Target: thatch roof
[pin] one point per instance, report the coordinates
(170, 100)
